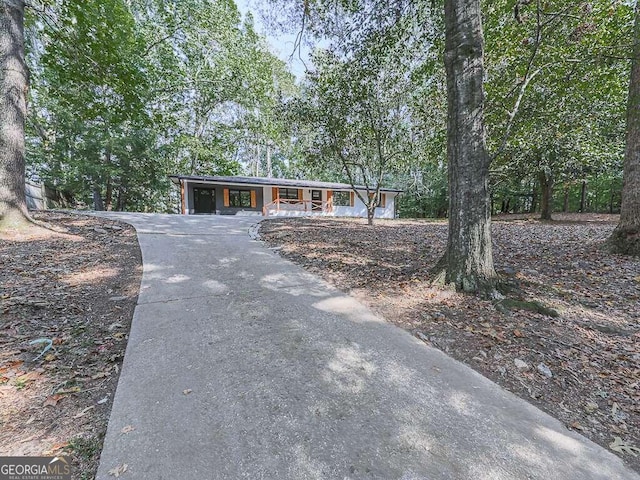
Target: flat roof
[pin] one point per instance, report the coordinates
(277, 182)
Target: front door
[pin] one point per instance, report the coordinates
(204, 200)
(316, 199)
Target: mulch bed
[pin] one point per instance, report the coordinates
(566, 338)
(67, 299)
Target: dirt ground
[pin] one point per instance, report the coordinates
(566, 338)
(67, 300)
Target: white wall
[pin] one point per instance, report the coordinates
(360, 209)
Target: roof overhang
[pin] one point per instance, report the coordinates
(274, 182)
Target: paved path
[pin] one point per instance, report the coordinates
(291, 379)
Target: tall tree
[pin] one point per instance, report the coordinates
(468, 261)
(354, 119)
(14, 82)
(625, 238)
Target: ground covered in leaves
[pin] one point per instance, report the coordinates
(67, 299)
(566, 337)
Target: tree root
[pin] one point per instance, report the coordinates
(624, 241)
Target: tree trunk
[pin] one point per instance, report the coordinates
(121, 199)
(583, 197)
(98, 205)
(371, 211)
(625, 239)
(534, 200)
(108, 196)
(565, 203)
(14, 82)
(611, 199)
(546, 195)
(269, 172)
(468, 261)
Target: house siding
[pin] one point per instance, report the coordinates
(264, 196)
(219, 198)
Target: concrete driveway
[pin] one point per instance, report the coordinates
(240, 365)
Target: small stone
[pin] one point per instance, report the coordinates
(521, 364)
(118, 299)
(99, 230)
(545, 370)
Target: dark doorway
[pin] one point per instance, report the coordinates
(316, 200)
(204, 200)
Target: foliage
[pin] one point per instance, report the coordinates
(126, 93)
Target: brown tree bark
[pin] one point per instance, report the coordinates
(98, 204)
(546, 195)
(534, 199)
(625, 239)
(14, 82)
(370, 214)
(468, 261)
(583, 197)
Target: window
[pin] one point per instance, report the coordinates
(288, 193)
(342, 199)
(240, 198)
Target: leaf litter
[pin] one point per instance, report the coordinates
(61, 337)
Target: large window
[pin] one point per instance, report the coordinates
(240, 198)
(342, 199)
(288, 193)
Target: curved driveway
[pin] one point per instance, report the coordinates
(240, 365)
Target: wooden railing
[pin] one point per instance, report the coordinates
(285, 204)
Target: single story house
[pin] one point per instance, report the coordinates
(276, 197)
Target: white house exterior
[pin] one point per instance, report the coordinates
(203, 195)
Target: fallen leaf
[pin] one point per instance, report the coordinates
(619, 446)
(69, 390)
(591, 407)
(518, 333)
(53, 400)
(58, 446)
(576, 426)
(119, 470)
(127, 429)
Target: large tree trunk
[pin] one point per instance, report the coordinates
(14, 82)
(625, 238)
(546, 195)
(468, 261)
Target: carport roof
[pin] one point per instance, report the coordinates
(276, 182)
